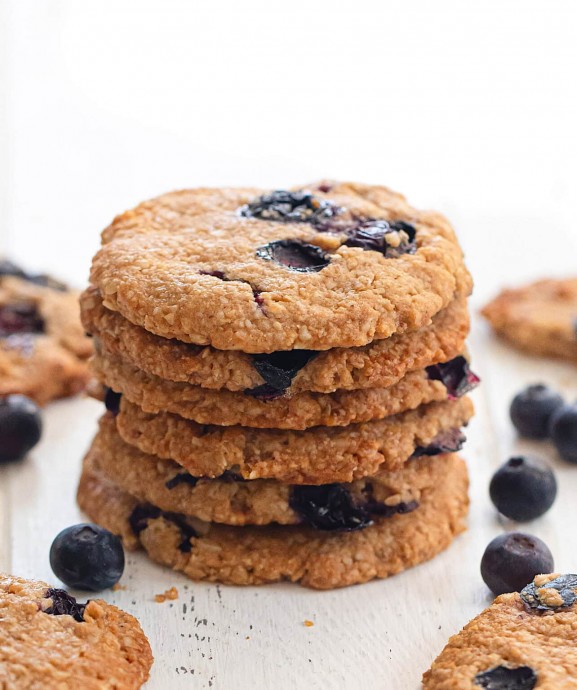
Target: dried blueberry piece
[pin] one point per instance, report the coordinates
(187, 532)
(539, 596)
(328, 507)
(392, 239)
(455, 375)
(215, 274)
(295, 254)
(63, 604)
(383, 510)
(279, 368)
(264, 392)
(448, 441)
(229, 476)
(21, 317)
(112, 401)
(505, 678)
(181, 478)
(289, 207)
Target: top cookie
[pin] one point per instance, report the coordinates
(339, 265)
(48, 640)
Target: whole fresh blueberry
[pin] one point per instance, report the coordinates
(531, 410)
(563, 432)
(523, 488)
(20, 427)
(512, 560)
(87, 556)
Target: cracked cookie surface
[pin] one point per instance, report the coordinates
(511, 645)
(233, 501)
(259, 555)
(43, 348)
(49, 641)
(539, 318)
(379, 364)
(318, 455)
(191, 265)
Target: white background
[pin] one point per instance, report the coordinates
(470, 108)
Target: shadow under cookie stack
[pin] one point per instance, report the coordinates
(285, 382)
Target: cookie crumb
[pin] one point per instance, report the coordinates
(308, 624)
(170, 594)
(118, 587)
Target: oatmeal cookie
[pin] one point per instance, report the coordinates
(540, 318)
(258, 555)
(303, 410)
(522, 641)
(379, 364)
(339, 265)
(231, 500)
(49, 641)
(317, 456)
(43, 349)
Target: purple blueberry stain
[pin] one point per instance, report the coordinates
(289, 207)
(506, 678)
(295, 255)
(63, 604)
(456, 375)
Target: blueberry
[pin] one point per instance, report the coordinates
(507, 678)
(563, 431)
(87, 556)
(289, 207)
(20, 427)
(531, 410)
(455, 375)
(18, 318)
(112, 401)
(512, 560)
(523, 488)
(63, 604)
(328, 507)
(278, 369)
(295, 254)
(391, 238)
(538, 596)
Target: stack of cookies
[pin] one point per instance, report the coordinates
(284, 375)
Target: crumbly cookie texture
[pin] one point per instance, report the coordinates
(540, 318)
(319, 455)
(303, 410)
(232, 501)
(515, 643)
(191, 265)
(379, 364)
(48, 641)
(258, 555)
(43, 348)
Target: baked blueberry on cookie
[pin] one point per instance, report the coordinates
(540, 318)
(43, 348)
(286, 381)
(49, 640)
(522, 641)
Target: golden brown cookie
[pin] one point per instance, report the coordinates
(43, 349)
(257, 555)
(233, 501)
(522, 641)
(540, 318)
(248, 270)
(318, 455)
(379, 364)
(301, 411)
(49, 641)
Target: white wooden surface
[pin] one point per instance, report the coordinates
(105, 104)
